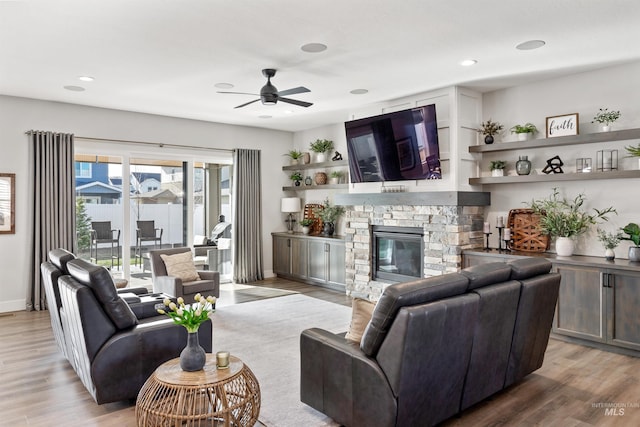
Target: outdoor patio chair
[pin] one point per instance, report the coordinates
(146, 232)
(102, 233)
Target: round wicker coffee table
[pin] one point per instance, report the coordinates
(210, 397)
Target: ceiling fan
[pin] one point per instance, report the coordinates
(269, 95)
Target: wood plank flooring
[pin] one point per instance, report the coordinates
(41, 389)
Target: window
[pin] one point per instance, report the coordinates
(83, 170)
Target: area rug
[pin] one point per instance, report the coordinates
(265, 334)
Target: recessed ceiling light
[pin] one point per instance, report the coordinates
(468, 62)
(530, 45)
(74, 88)
(223, 85)
(359, 91)
(314, 47)
(86, 78)
(264, 117)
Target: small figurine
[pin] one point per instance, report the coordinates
(337, 156)
(554, 165)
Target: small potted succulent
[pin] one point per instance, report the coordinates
(296, 177)
(497, 167)
(610, 241)
(489, 129)
(335, 177)
(633, 231)
(295, 156)
(321, 147)
(306, 225)
(525, 131)
(605, 118)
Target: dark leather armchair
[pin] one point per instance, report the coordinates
(114, 353)
(207, 284)
(434, 346)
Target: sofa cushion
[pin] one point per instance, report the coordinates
(99, 280)
(400, 295)
(361, 312)
(486, 274)
(525, 268)
(181, 266)
(60, 257)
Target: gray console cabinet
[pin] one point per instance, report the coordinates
(311, 259)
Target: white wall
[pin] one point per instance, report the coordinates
(616, 88)
(18, 115)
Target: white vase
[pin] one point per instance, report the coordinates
(605, 128)
(524, 136)
(305, 229)
(497, 172)
(334, 181)
(321, 157)
(564, 246)
(609, 254)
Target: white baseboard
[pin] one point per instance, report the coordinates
(15, 305)
(268, 274)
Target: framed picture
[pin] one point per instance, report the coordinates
(7, 203)
(562, 125)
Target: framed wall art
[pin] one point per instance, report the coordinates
(562, 125)
(7, 203)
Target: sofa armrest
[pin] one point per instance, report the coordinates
(137, 291)
(167, 285)
(209, 275)
(338, 379)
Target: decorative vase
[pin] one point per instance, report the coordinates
(609, 254)
(524, 136)
(634, 253)
(564, 246)
(296, 183)
(488, 139)
(320, 178)
(193, 357)
(308, 181)
(328, 229)
(605, 128)
(523, 166)
(321, 157)
(306, 158)
(497, 172)
(334, 180)
(305, 229)
(293, 161)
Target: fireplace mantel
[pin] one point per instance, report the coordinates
(427, 198)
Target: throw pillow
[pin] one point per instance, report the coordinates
(181, 266)
(361, 313)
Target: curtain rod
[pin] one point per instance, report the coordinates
(155, 144)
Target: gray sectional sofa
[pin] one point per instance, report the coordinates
(434, 347)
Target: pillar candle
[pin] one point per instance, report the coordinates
(487, 228)
(507, 234)
(500, 221)
(222, 359)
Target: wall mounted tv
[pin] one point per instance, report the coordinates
(395, 146)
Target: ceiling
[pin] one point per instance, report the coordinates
(165, 56)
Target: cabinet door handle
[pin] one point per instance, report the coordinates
(288, 243)
(326, 247)
(611, 281)
(604, 279)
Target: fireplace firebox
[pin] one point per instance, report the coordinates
(397, 254)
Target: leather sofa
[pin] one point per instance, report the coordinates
(112, 351)
(434, 346)
(207, 284)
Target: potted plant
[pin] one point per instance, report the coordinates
(525, 131)
(489, 129)
(564, 219)
(497, 167)
(295, 156)
(633, 231)
(306, 225)
(634, 152)
(335, 177)
(605, 118)
(296, 177)
(329, 215)
(321, 147)
(610, 241)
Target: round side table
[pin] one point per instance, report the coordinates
(171, 396)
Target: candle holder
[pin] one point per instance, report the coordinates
(500, 237)
(506, 245)
(222, 359)
(486, 247)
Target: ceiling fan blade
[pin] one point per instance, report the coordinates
(240, 93)
(247, 103)
(293, 91)
(295, 102)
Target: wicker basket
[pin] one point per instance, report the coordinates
(525, 231)
(316, 227)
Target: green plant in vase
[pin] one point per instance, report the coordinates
(610, 241)
(497, 167)
(605, 118)
(295, 156)
(336, 176)
(321, 147)
(633, 231)
(634, 152)
(329, 216)
(306, 224)
(524, 131)
(489, 129)
(296, 177)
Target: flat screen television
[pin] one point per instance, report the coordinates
(396, 146)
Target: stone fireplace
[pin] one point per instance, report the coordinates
(447, 222)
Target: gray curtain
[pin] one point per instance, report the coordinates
(54, 216)
(247, 218)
